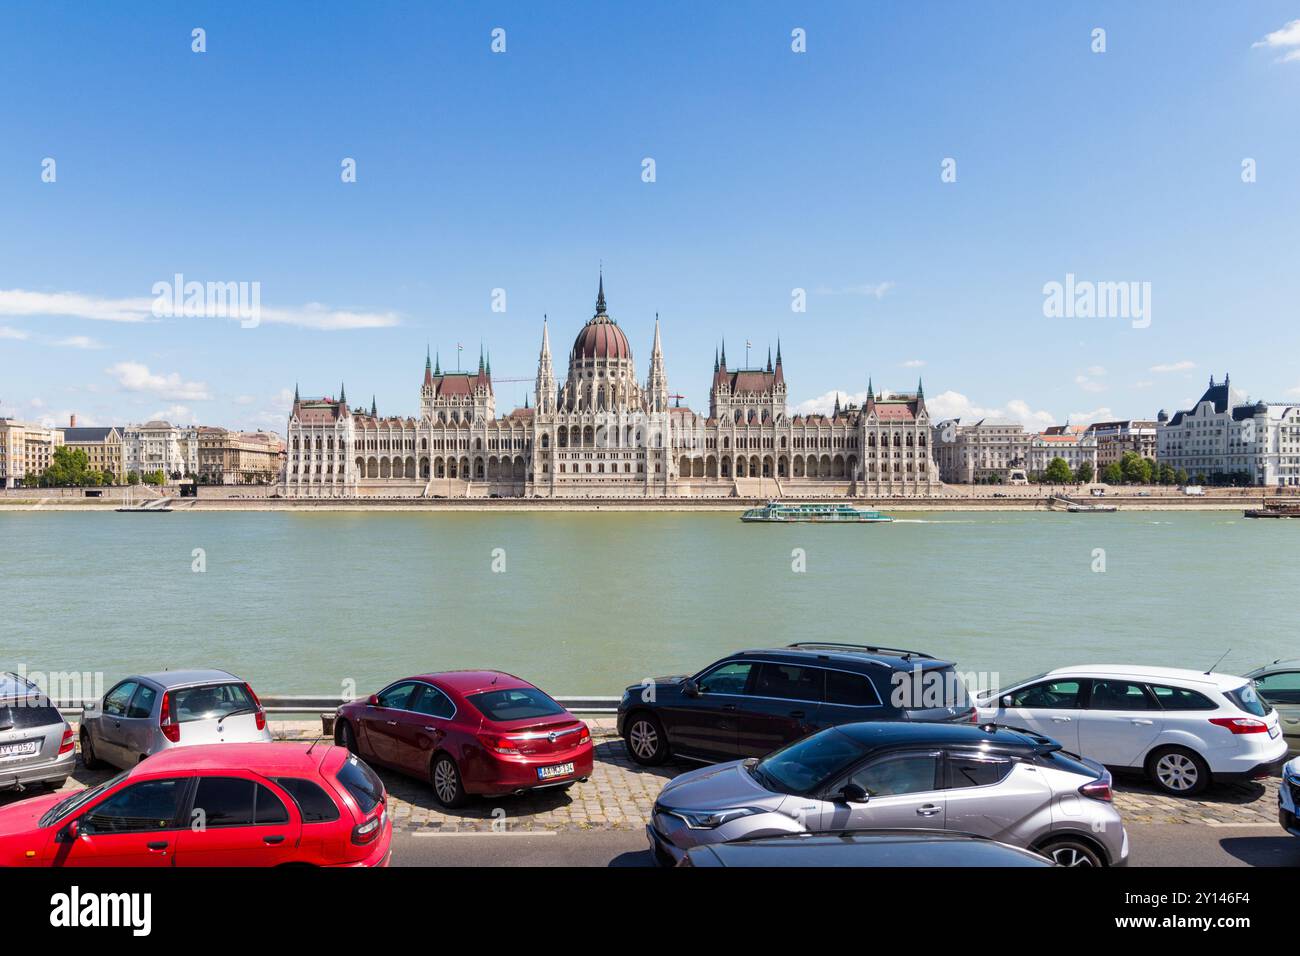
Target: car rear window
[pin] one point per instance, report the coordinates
(210, 701)
(17, 715)
(930, 688)
(360, 781)
(1180, 698)
(519, 703)
(313, 803)
(1246, 699)
(850, 690)
(1069, 763)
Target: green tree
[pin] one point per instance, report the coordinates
(1058, 472)
(1085, 473)
(1112, 474)
(155, 478)
(133, 477)
(69, 467)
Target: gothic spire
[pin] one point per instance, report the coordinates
(437, 365)
(920, 389)
(715, 360)
(343, 394)
(724, 353)
(769, 358)
(778, 350)
(600, 294)
(427, 364)
(373, 408)
(295, 393)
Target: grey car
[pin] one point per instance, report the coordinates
(36, 745)
(151, 712)
(1279, 684)
(1007, 785)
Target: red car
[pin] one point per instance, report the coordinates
(468, 732)
(266, 804)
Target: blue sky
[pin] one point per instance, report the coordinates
(522, 171)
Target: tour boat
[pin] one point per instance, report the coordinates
(1276, 509)
(776, 511)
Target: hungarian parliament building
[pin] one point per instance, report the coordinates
(601, 433)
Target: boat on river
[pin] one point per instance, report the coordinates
(777, 512)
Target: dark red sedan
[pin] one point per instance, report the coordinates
(468, 732)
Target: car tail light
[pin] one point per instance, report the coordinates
(584, 735)
(369, 831)
(1098, 789)
(261, 714)
(167, 720)
(499, 744)
(68, 743)
(1241, 725)
(974, 715)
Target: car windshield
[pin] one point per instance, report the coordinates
(70, 805)
(210, 701)
(1248, 700)
(517, 703)
(806, 764)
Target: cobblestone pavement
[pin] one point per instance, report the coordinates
(620, 794)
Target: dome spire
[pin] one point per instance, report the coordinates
(600, 293)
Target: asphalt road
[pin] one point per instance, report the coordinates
(1153, 844)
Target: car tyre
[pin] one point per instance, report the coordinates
(444, 776)
(1069, 851)
(88, 757)
(1178, 771)
(646, 742)
(345, 737)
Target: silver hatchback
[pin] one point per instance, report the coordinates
(151, 712)
(36, 744)
(1007, 785)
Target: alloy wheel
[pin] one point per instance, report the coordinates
(1177, 772)
(445, 783)
(1070, 856)
(644, 739)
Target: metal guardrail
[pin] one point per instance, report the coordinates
(306, 704)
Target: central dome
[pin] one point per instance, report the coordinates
(601, 338)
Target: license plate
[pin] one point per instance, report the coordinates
(559, 770)
(1274, 731)
(24, 748)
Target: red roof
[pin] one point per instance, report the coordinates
(602, 338)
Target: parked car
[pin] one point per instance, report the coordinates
(1279, 684)
(36, 744)
(892, 848)
(1182, 728)
(1006, 785)
(468, 732)
(752, 702)
(150, 713)
(1288, 798)
(211, 805)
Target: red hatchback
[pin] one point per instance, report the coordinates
(468, 732)
(266, 804)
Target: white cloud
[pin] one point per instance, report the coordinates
(1286, 38)
(18, 335)
(1182, 366)
(956, 405)
(176, 414)
(136, 377)
(1144, 383)
(913, 363)
(874, 290)
(1090, 379)
(824, 404)
(1087, 418)
(312, 315)
(244, 399)
(77, 342)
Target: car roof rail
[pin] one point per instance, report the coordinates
(869, 648)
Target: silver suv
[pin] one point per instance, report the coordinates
(151, 712)
(994, 782)
(36, 744)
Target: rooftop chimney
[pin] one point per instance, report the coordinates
(72, 421)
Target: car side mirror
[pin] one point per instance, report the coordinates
(1006, 701)
(70, 832)
(373, 700)
(89, 705)
(853, 793)
(690, 688)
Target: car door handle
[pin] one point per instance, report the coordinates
(797, 714)
(1062, 720)
(728, 707)
(433, 730)
(272, 840)
(928, 810)
(391, 723)
(157, 845)
(1142, 723)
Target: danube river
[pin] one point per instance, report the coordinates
(584, 603)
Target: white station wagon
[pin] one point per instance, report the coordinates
(1182, 728)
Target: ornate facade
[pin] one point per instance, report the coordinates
(602, 433)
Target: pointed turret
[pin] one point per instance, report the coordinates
(657, 383)
(769, 358)
(600, 294)
(373, 408)
(428, 367)
(545, 387)
(779, 377)
(437, 364)
(296, 399)
(343, 394)
(836, 413)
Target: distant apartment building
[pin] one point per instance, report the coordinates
(239, 458)
(1258, 442)
(1073, 443)
(1116, 439)
(25, 449)
(162, 446)
(104, 447)
(983, 451)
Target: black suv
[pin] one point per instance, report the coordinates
(752, 702)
